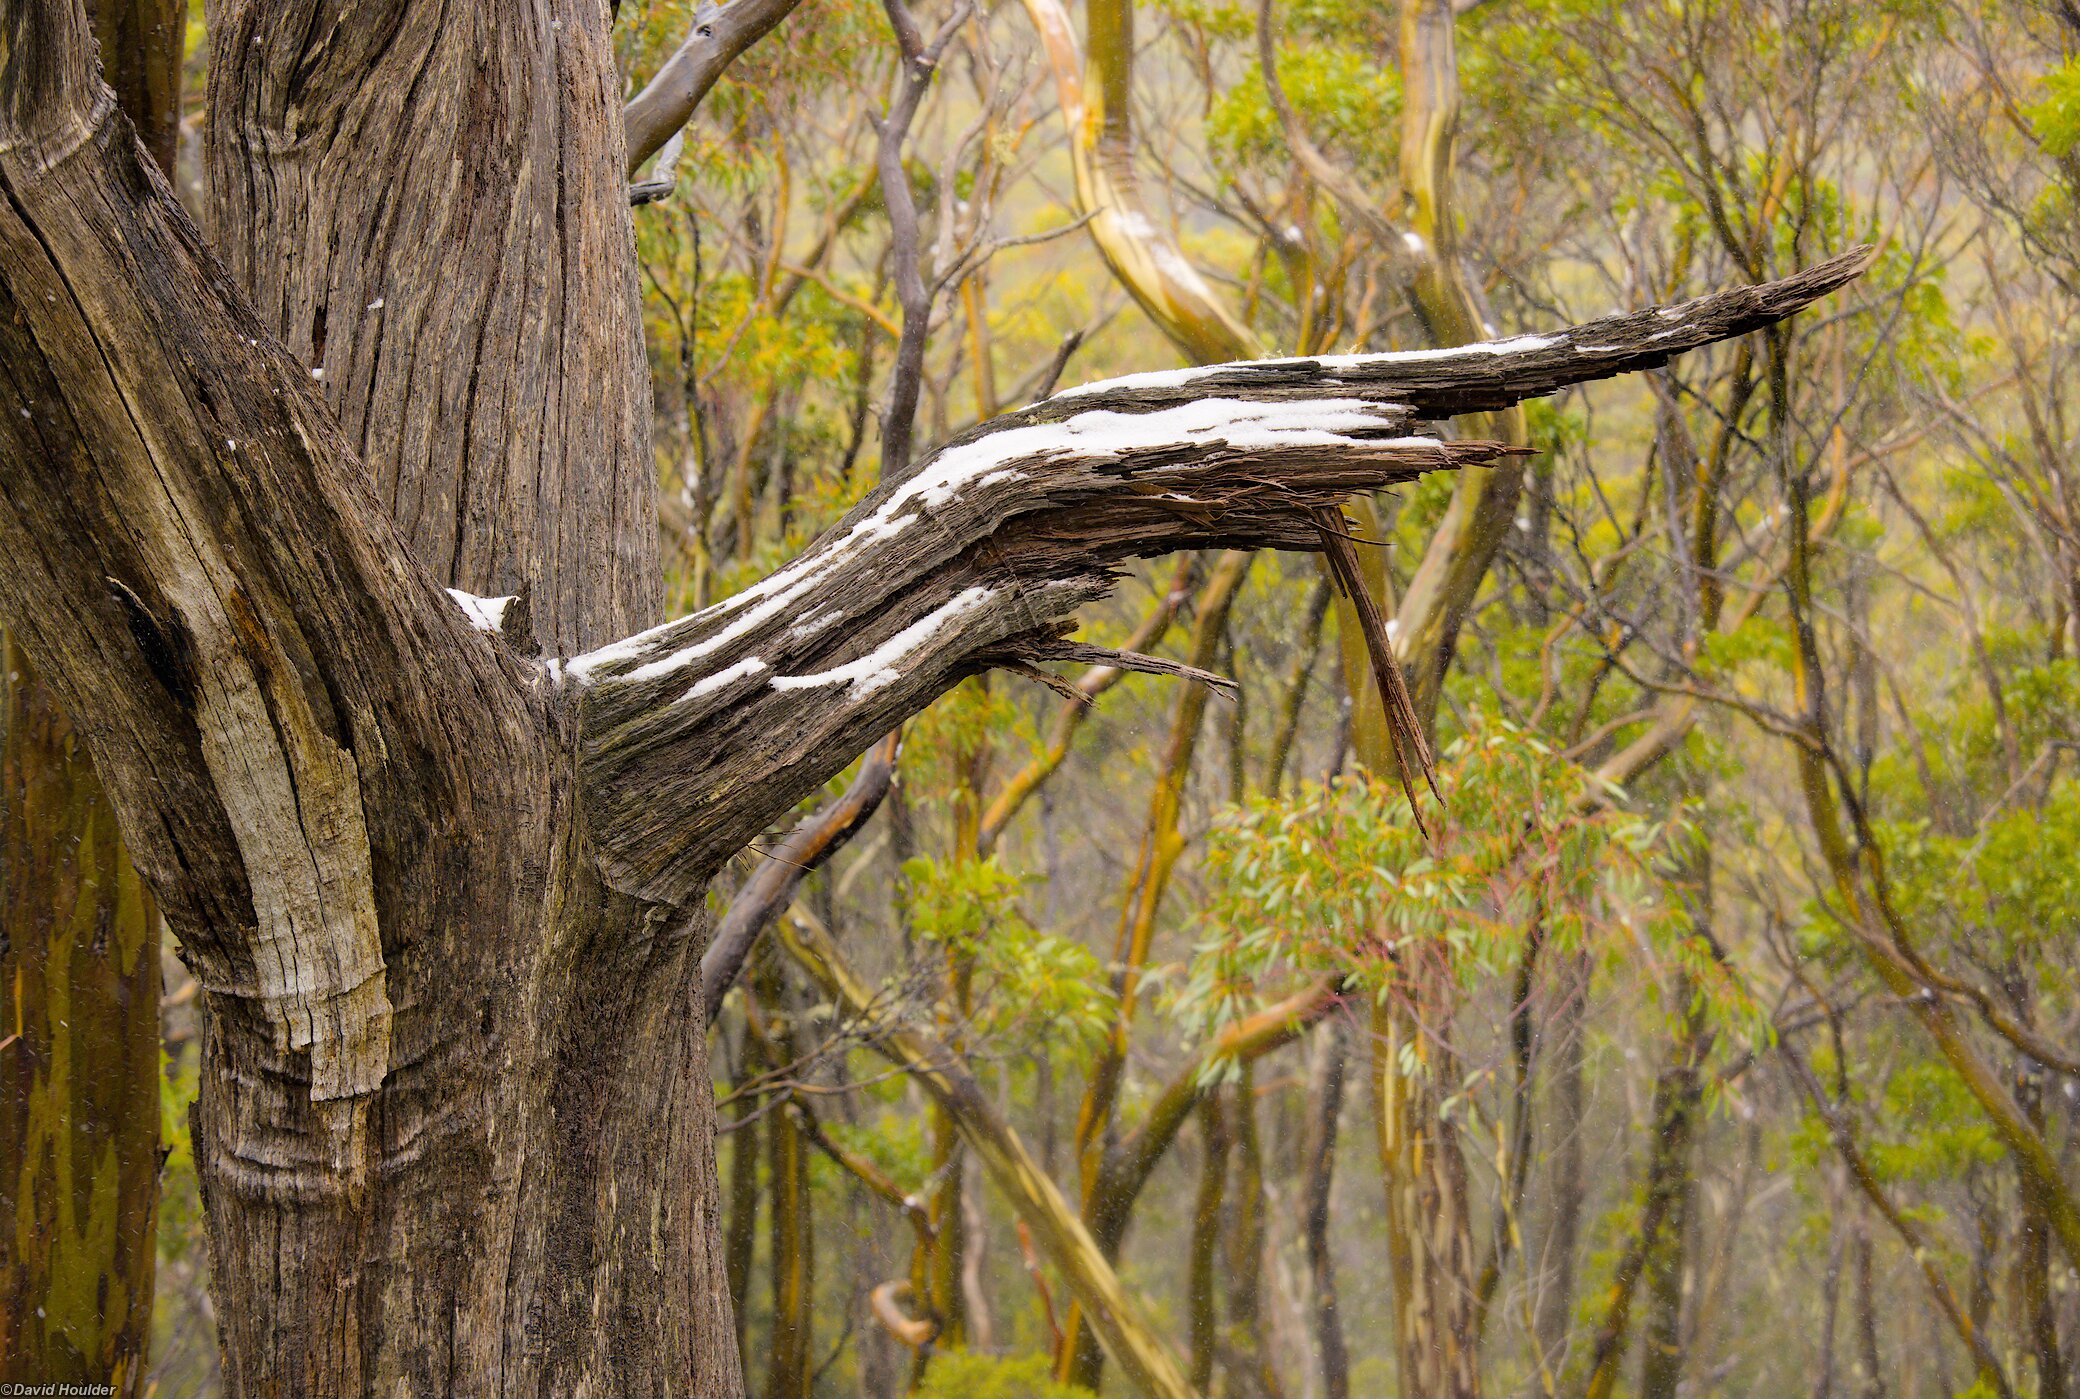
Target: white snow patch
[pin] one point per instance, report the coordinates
(985, 462)
(728, 675)
(1185, 378)
(484, 613)
(815, 622)
(877, 668)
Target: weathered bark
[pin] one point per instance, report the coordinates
(79, 1073)
(455, 1131)
(79, 961)
(1429, 1215)
(143, 44)
(426, 204)
(420, 1085)
(1324, 1111)
(1201, 1309)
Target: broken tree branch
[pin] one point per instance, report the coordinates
(743, 709)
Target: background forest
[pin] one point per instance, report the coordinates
(1718, 1032)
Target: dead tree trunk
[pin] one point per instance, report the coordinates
(445, 899)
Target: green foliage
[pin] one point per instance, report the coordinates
(1026, 981)
(2055, 114)
(2013, 885)
(892, 1137)
(1337, 878)
(967, 1374)
(1342, 99)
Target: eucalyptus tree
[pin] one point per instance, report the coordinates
(336, 533)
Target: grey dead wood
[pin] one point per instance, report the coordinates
(445, 897)
(718, 36)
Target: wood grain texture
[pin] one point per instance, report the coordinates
(454, 1089)
(425, 203)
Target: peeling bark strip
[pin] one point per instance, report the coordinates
(455, 1133)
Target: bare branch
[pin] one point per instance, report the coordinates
(719, 36)
(1058, 649)
(771, 887)
(920, 60)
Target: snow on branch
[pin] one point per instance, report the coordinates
(985, 553)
